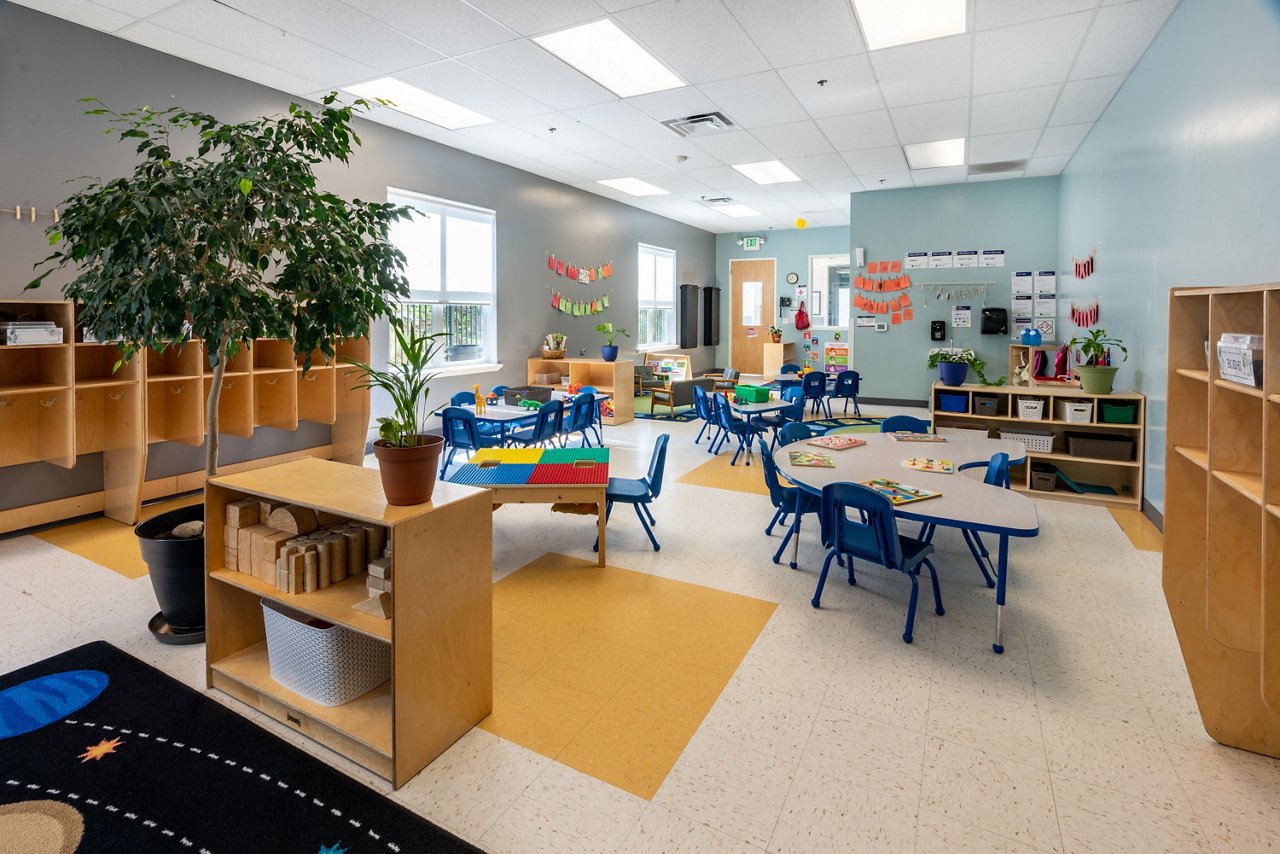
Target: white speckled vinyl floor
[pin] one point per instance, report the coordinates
(833, 735)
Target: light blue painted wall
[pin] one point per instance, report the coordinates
(1179, 184)
(1019, 216)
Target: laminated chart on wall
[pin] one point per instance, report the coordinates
(1022, 306)
(1046, 304)
(835, 357)
(966, 257)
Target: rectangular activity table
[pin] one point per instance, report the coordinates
(542, 476)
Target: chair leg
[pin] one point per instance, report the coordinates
(736, 452)
(448, 459)
(857, 410)
(782, 547)
(853, 580)
(822, 580)
(608, 509)
(911, 607)
(698, 438)
(649, 513)
(647, 529)
(937, 591)
(777, 515)
(979, 552)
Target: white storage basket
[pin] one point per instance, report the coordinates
(1035, 441)
(963, 431)
(328, 666)
(1074, 411)
(1030, 408)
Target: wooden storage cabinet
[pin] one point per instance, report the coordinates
(615, 378)
(440, 632)
(1222, 514)
(1124, 476)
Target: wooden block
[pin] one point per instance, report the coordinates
(324, 564)
(282, 575)
(378, 606)
(230, 539)
(337, 557)
(266, 507)
(294, 519)
(355, 550)
(380, 568)
(297, 571)
(327, 519)
(311, 569)
(229, 558)
(374, 535)
(245, 546)
(270, 545)
(243, 513)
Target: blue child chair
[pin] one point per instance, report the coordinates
(702, 408)
(581, 418)
(462, 398)
(639, 492)
(815, 389)
(996, 473)
(847, 383)
(730, 425)
(461, 433)
(794, 413)
(789, 368)
(784, 499)
(794, 432)
(544, 429)
(904, 424)
(598, 415)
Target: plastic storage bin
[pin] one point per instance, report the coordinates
(986, 404)
(963, 431)
(1031, 408)
(1073, 411)
(547, 378)
(1119, 411)
(1035, 441)
(1240, 358)
(949, 401)
(1044, 478)
(1100, 446)
(750, 394)
(329, 666)
(512, 396)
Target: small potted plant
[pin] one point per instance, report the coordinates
(609, 351)
(1097, 374)
(776, 333)
(407, 454)
(953, 364)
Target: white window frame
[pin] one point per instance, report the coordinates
(834, 258)
(447, 209)
(657, 304)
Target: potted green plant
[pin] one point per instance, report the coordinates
(953, 364)
(227, 244)
(608, 351)
(407, 454)
(1097, 374)
(775, 332)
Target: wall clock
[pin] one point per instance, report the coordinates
(792, 278)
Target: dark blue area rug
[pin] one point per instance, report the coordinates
(100, 752)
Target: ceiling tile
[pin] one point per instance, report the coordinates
(1047, 165)
(527, 68)
(480, 148)
(1027, 55)
(582, 166)
(860, 130)
(818, 166)
(1119, 37)
(876, 161)
(998, 176)
(395, 119)
(450, 26)
(668, 151)
(755, 100)
(786, 32)
(673, 103)
(932, 122)
(1024, 109)
(835, 188)
(340, 28)
(520, 142)
(721, 178)
(733, 148)
(465, 86)
(569, 132)
(791, 191)
(673, 182)
(1062, 139)
(536, 18)
(194, 50)
(941, 175)
(621, 121)
(1002, 146)
(798, 139)
(936, 70)
(1004, 13)
(540, 168)
(628, 161)
(93, 15)
(216, 24)
(850, 86)
(1084, 100)
(697, 38)
(887, 181)
(813, 205)
(136, 8)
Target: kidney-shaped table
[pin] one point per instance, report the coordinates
(964, 502)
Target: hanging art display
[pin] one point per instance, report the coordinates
(1084, 266)
(1084, 315)
(896, 285)
(578, 307)
(579, 273)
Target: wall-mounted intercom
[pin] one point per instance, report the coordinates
(937, 330)
(784, 302)
(995, 321)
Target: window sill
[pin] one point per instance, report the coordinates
(474, 368)
(653, 348)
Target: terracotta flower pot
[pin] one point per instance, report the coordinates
(409, 474)
(777, 339)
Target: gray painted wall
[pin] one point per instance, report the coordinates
(46, 64)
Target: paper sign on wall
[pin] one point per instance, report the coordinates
(991, 258)
(938, 260)
(866, 321)
(967, 258)
(962, 317)
(1021, 281)
(916, 261)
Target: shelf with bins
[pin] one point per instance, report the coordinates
(440, 631)
(997, 408)
(37, 403)
(612, 378)
(1222, 526)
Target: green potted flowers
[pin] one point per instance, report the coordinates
(953, 364)
(776, 333)
(609, 351)
(1097, 374)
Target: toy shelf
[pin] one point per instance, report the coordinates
(613, 378)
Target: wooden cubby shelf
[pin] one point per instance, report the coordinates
(1222, 514)
(613, 378)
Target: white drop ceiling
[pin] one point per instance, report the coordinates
(1026, 81)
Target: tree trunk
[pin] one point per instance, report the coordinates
(211, 409)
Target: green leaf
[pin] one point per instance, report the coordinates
(245, 186)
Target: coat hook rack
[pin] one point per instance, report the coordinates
(20, 211)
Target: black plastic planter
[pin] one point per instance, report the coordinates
(177, 576)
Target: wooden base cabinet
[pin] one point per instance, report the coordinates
(615, 378)
(440, 632)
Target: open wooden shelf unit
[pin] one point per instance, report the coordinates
(615, 378)
(440, 631)
(1124, 476)
(60, 401)
(1222, 514)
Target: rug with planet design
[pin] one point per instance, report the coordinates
(100, 752)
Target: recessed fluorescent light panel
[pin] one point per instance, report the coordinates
(611, 58)
(736, 210)
(931, 155)
(887, 23)
(633, 186)
(413, 101)
(767, 172)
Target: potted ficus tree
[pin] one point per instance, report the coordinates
(231, 242)
(953, 364)
(608, 351)
(1097, 374)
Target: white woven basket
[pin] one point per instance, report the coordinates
(328, 666)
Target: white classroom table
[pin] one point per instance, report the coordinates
(964, 502)
(504, 415)
(750, 409)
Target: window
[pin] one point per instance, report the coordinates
(829, 291)
(450, 252)
(657, 298)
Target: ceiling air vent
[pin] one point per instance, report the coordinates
(717, 200)
(703, 124)
(997, 167)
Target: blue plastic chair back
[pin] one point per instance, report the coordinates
(777, 492)
(658, 465)
(462, 398)
(997, 473)
(460, 428)
(550, 418)
(815, 385)
(847, 383)
(580, 413)
(794, 432)
(789, 368)
(904, 424)
(702, 403)
(873, 532)
(499, 389)
(794, 412)
(724, 415)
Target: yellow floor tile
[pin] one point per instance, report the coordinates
(110, 543)
(1144, 535)
(596, 667)
(527, 642)
(672, 690)
(627, 748)
(718, 474)
(542, 715)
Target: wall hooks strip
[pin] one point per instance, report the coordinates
(20, 211)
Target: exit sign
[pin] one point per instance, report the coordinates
(751, 244)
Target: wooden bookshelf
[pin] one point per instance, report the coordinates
(440, 631)
(613, 378)
(1222, 514)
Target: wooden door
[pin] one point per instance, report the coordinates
(746, 340)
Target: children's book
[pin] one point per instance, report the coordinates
(899, 493)
(907, 436)
(929, 464)
(837, 443)
(812, 458)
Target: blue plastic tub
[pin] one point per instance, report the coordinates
(952, 402)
